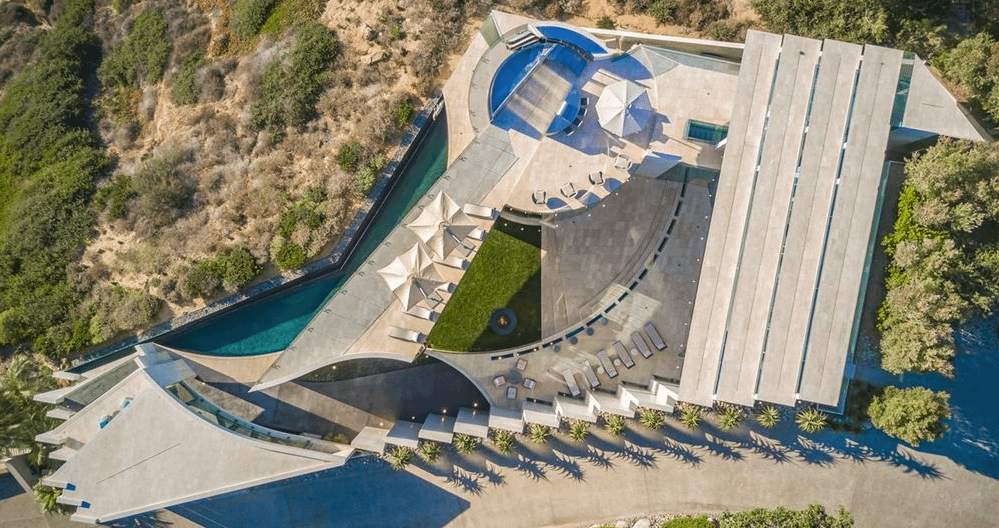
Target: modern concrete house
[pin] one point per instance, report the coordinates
(707, 214)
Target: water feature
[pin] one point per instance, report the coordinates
(270, 325)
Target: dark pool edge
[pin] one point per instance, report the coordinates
(415, 134)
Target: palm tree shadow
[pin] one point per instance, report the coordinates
(145, 520)
(812, 452)
(531, 468)
(720, 448)
(767, 448)
(464, 480)
(637, 455)
(597, 457)
(682, 453)
(566, 466)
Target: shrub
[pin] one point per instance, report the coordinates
(348, 157)
(814, 516)
(701, 521)
(162, 189)
(248, 16)
(730, 418)
(289, 255)
(912, 415)
(465, 444)
(540, 433)
(400, 457)
(504, 442)
(811, 420)
(46, 497)
(114, 197)
(662, 11)
(605, 23)
(690, 416)
(768, 417)
(141, 56)
(365, 179)
(184, 90)
(289, 89)
(614, 425)
(403, 111)
(652, 419)
(430, 451)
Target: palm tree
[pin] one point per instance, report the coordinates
(578, 431)
(504, 442)
(399, 457)
(768, 417)
(690, 416)
(22, 418)
(614, 425)
(465, 444)
(46, 497)
(652, 419)
(540, 433)
(430, 451)
(811, 420)
(730, 417)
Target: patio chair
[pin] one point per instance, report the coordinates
(622, 163)
(643, 349)
(650, 329)
(539, 197)
(521, 364)
(481, 211)
(511, 393)
(597, 178)
(568, 190)
(623, 355)
(529, 384)
(605, 362)
(405, 334)
(570, 381)
(499, 381)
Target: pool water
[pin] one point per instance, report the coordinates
(271, 324)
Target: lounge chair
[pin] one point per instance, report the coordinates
(456, 262)
(607, 364)
(570, 381)
(623, 354)
(597, 178)
(539, 197)
(481, 211)
(477, 234)
(422, 313)
(591, 377)
(643, 349)
(568, 190)
(405, 334)
(650, 329)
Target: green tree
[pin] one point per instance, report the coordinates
(810, 420)
(912, 415)
(652, 419)
(768, 417)
(540, 433)
(21, 418)
(46, 497)
(974, 66)
(814, 516)
(465, 444)
(614, 424)
(504, 442)
(861, 21)
(578, 431)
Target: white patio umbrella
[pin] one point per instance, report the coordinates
(624, 108)
(412, 276)
(442, 225)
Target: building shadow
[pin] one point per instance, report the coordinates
(365, 492)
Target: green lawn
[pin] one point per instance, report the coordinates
(506, 272)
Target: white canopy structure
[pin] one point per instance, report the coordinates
(624, 108)
(442, 225)
(412, 276)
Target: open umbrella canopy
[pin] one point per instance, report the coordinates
(624, 108)
(412, 276)
(442, 225)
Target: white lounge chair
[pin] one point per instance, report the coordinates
(477, 234)
(650, 329)
(570, 381)
(643, 349)
(591, 377)
(456, 262)
(422, 313)
(623, 355)
(480, 211)
(405, 334)
(606, 363)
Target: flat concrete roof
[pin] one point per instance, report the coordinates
(798, 200)
(472, 422)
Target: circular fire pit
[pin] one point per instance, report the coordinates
(503, 321)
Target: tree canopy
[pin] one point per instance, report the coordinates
(913, 415)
